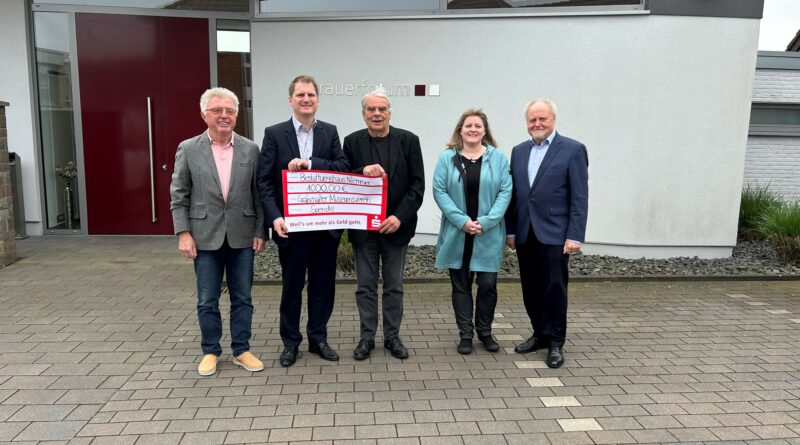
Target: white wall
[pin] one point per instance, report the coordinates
(15, 88)
(776, 86)
(774, 161)
(661, 102)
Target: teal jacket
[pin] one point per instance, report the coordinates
(494, 196)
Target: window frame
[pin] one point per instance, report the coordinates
(774, 129)
(443, 13)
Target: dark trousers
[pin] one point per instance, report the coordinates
(544, 274)
(237, 265)
(485, 298)
(315, 253)
(485, 301)
(371, 253)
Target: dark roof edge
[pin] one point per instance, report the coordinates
(778, 60)
(750, 9)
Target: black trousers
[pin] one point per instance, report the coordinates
(315, 253)
(544, 274)
(485, 299)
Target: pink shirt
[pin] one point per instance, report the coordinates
(223, 157)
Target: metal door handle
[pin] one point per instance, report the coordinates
(152, 178)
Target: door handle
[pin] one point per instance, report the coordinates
(152, 178)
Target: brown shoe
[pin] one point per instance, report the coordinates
(248, 361)
(208, 366)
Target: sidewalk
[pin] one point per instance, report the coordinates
(100, 344)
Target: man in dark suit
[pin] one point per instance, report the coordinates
(381, 149)
(546, 222)
(220, 225)
(301, 143)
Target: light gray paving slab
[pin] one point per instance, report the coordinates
(39, 431)
(116, 343)
(42, 413)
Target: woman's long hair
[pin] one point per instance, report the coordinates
(457, 142)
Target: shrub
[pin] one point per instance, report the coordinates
(756, 200)
(781, 226)
(345, 259)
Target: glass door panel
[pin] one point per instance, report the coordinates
(59, 165)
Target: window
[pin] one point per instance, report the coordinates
(194, 5)
(56, 120)
(362, 8)
(301, 6)
(479, 4)
(775, 120)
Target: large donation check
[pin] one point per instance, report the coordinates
(322, 200)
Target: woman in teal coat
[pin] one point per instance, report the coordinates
(472, 187)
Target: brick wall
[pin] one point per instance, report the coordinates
(775, 160)
(230, 74)
(8, 250)
(776, 86)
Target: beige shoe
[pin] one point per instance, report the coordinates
(208, 366)
(248, 361)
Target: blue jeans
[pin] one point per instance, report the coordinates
(237, 264)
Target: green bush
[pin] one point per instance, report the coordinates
(345, 258)
(756, 200)
(781, 226)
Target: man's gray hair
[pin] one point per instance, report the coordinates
(217, 92)
(550, 104)
(377, 92)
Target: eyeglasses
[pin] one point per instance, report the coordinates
(218, 111)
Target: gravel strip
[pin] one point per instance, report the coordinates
(750, 259)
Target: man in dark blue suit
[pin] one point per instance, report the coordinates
(545, 223)
(301, 143)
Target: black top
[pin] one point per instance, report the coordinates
(380, 150)
(472, 183)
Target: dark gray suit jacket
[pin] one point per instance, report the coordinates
(197, 204)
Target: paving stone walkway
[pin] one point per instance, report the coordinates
(99, 344)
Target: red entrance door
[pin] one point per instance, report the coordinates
(140, 84)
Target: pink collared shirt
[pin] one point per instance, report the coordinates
(223, 158)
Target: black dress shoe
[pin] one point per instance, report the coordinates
(363, 349)
(324, 351)
(395, 347)
(489, 344)
(289, 356)
(555, 357)
(464, 346)
(531, 344)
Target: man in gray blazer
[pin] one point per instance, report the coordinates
(220, 225)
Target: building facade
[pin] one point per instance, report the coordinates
(661, 101)
(773, 146)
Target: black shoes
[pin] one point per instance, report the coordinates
(464, 346)
(324, 351)
(555, 357)
(289, 356)
(395, 347)
(531, 344)
(363, 349)
(489, 344)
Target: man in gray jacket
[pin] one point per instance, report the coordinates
(220, 225)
